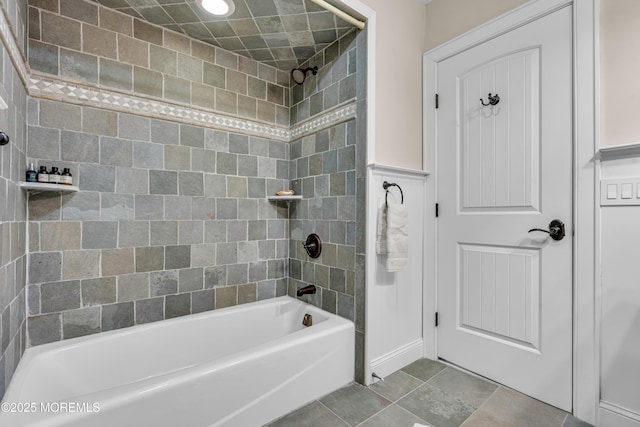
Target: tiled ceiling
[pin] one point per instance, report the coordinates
(282, 33)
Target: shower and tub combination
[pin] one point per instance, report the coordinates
(238, 366)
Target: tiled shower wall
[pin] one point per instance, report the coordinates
(12, 202)
(82, 41)
(172, 218)
(328, 169)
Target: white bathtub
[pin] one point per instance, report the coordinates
(241, 366)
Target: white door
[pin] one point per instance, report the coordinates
(504, 294)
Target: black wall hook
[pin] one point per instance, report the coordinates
(386, 185)
(4, 138)
(493, 100)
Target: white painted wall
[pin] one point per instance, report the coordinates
(446, 19)
(398, 74)
(619, 71)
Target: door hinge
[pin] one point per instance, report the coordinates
(437, 100)
(437, 210)
(436, 319)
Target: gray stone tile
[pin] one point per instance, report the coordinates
(43, 57)
(48, 143)
(177, 256)
(393, 415)
(203, 255)
(132, 181)
(215, 276)
(164, 232)
(572, 421)
(203, 208)
(98, 291)
(192, 136)
(163, 182)
(133, 287)
(116, 152)
(59, 296)
(465, 387)
(148, 155)
(117, 207)
(45, 267)
(44, 329)
(149, 310)
(247, 165)
(79, 147)
(81, 322)
(116, 74)
(354, 403)
(116, 316)
(507, 408)
(190, 232)
(203, 300)
(58, 115)
(423, 369)
(177, 157)
(134, 127)
(99, 234)
(83, 264)
(177, 207)
(227, 209)
(190, 184)
(83, 206)
(149, 259)
(237, 274)
(436, 407)
(133, 234)
(396, 385)
(163, 283)
(149, 207)
(227, 164)
(97, 177)
(177, 305)
(237, 231)
(203, 160)
(215, 185)
(313, 415)
(226, 296)
(190, 279)
(60, 236)
(164, 132)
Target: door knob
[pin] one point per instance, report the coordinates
(556, 229)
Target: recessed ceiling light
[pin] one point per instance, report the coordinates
(217, 7)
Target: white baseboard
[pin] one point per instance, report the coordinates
(397, 359)
(613, 416)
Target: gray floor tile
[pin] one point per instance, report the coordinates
(469, 389)
(393, 416)
(423, 369)
(436, 407)
(506, 408)
(572, 421)
(354, 403)
(396, 385)
(313, 415)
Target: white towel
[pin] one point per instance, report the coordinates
(381, 232)
(397, 237)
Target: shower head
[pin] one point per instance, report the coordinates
(299, 75)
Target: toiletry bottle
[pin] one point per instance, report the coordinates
(54, 176)
(43, 175)
(32, 175)
(66, 178)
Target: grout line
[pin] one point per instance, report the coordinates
(329, 409)
(483, 403)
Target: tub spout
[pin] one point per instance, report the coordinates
(311, 289)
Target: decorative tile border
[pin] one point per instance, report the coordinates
(75, 93)
(337, 115)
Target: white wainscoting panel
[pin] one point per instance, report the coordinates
(394, 300)
(620, 296)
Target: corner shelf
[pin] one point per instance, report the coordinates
(284, 198)
(57, 188)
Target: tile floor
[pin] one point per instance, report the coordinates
(432, 394)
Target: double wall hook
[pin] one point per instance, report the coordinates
(386, 185)
(493, 100)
